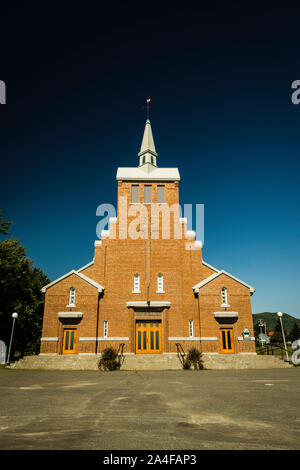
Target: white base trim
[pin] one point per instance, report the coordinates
(88, 354)
(202, 338)
(101, 338)
(248, 353)
(48, 354)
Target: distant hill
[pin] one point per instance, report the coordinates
(271, 319)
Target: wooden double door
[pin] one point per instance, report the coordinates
(148, 337)
(69, 341)
(227, 345)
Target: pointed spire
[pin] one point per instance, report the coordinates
(147, 151)
(148, 142)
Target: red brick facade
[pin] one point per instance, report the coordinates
(104, 288)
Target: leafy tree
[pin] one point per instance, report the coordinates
(4, 225)
(294, 333)
(20, 284)
(277, 336)
(256, 333)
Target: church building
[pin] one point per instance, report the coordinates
(147, 287)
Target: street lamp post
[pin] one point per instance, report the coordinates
(14, 317)
(279, 314)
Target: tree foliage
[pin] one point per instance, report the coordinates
(4, 224)
(277, 335)
(20, 284)
(294, 333)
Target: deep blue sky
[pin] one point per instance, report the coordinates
(219, 76)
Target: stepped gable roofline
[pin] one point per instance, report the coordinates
(150, 172)
(217, 274)
(82, 276)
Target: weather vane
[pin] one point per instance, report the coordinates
(147, 106)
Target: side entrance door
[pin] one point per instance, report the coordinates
(226, 340)
(148, 337)
(69, 341)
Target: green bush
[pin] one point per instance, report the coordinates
(109, 360)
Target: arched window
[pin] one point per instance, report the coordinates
(224, 296)
(160, 283)
(72, 297)
(136, 283)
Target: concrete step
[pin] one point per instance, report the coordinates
(243, 361)
(151, 362)
(72, 362)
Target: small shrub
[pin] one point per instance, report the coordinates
(109, 360)
(194, 358)
(186, 364)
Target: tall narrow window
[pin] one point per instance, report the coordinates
(160, 283)
(160, 194)
(136, 283)
(191, 328)
(224, 296)
(147, 194)
(105, 329)
(135, 193)
(72, 297)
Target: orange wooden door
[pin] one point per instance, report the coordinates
(148, 337)
(69, 341)
(226, 340)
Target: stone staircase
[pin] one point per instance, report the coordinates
(151, 362)
(71, 362)
(243, 361)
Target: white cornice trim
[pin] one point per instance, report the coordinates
(92, 282)
(49, 339)
(86, 266)
(144, 303)
(217, 274)
(70, 314)
(226, 314)
(82, 276)
(210, 266)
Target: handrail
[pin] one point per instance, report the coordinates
(273, 347)
(180, 353)
(121, 357)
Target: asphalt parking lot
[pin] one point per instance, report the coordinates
(87, 410)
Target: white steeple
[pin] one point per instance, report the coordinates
(147, 152)
(147, 169)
